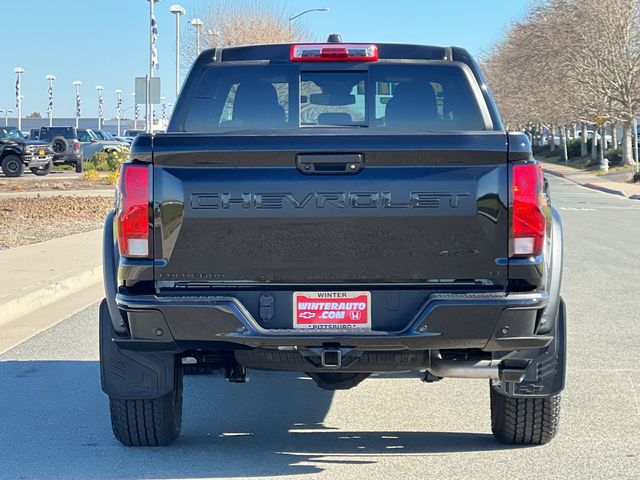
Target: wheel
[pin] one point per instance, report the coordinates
(41, 172)
(524, 421)
(80, 165)
(12, 166)
(148, 423)
(59, 145)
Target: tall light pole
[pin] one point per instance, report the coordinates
(197, 24)
(6, 115)
(19, 71)
(77, 84)
(298, 15)
(118, 107)
(178, 11)
(153, 61)
(99, 89)
(50, 78)
(169, 109)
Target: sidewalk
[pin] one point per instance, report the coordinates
(36, 275)
(590, 180)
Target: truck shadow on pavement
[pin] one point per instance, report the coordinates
(55, 424)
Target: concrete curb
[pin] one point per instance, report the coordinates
(612, 191)
(557, 174)
(592, 186)
(23, 303)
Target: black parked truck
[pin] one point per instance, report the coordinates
(334, 209)
(17, 153)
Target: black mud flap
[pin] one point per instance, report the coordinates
(131, 375)
(545, 375)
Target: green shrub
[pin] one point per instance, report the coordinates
(541, 151)
(90, 175)
(113, 177)
(574, 148)
(106, 161)
(614, 157)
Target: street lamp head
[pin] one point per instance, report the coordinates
(18, 70)
(77, 83)
(196, 22)
(320, 9)
(99, 88)
(177, 9)
(50, 77)
(118, 91)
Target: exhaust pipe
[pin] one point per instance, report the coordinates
(491, 369)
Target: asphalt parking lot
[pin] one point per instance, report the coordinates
(56, 422)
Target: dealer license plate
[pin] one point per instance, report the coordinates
(332, 310)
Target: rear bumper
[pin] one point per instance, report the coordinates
(67, 158)
(490, 322)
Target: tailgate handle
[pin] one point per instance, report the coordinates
(330, 164)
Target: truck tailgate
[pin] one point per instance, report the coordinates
(289, 209)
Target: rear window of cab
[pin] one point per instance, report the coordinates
(428, 96)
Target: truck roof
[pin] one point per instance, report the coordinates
(386, 51)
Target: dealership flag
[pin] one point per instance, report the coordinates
(50, 104)
(18, 91)
(154, 43)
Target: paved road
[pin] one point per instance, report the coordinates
(55, 422)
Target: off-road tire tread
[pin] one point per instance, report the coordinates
(5, 162)
(524, 421)
(148, 423)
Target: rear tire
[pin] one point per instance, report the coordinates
(148, 423)
(524, 421)
(12, 166)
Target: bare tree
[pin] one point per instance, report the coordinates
(227, 24)
(569, 61)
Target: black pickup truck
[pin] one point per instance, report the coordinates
(334, 209)
(16, 154)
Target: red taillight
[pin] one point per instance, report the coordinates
(528, 222)
(132, 220)
(76, 146)
(334, 52)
